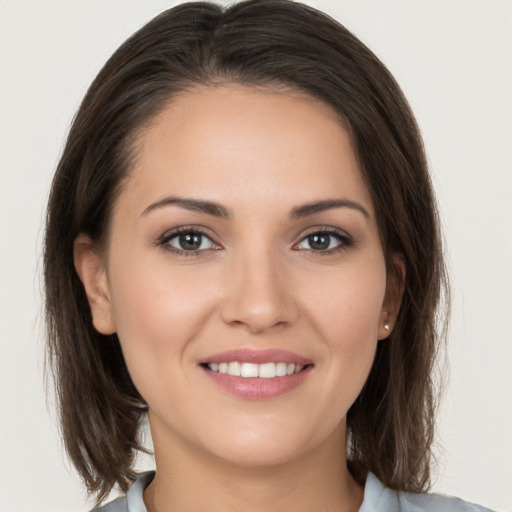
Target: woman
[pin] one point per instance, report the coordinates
(242, 242)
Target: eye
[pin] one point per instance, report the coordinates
(187, 241)
(324, 241)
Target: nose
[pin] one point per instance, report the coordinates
(258, 295)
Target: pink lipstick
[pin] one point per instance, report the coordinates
(257, 374)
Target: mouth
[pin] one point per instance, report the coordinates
(257, 374)
(268, 370)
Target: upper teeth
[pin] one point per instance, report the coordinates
(264, 371)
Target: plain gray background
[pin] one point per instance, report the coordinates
(453, 60)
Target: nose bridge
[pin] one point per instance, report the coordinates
(257, 294)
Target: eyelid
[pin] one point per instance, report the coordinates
(163, 240)
(345, 239)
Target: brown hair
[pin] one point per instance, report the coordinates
(256, 42)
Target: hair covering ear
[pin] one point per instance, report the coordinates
(91, 270)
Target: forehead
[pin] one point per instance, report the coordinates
(241, 143)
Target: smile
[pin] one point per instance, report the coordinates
(256, 374)
(262, 371)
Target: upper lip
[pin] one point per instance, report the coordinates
(257, 356)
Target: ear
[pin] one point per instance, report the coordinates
(90, 267)
(393, 297)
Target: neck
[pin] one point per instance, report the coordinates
(189, 480)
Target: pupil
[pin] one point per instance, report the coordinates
(318, 242)
(190, 241)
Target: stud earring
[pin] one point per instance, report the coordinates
(386, 326)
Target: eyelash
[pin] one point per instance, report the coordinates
(163, 242)
(344, 241)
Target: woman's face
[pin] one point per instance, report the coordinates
(244, 240)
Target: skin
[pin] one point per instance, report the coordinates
(257, 283)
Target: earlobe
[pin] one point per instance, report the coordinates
(386, 324)
(90, 268)
(393, 297)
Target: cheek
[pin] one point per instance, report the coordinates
(347, 305)
(347, 314)
(158, 314)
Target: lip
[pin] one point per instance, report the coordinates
(253, 388)
(247, 355)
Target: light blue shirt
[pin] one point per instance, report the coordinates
(377, 498)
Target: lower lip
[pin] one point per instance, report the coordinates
(255, 388)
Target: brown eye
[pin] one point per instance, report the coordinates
(324, 241)
(190, 241)
(319, 242)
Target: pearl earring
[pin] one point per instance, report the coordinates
(386, 326)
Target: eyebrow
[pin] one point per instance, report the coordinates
(217, 210)
(321, 206)
(208, 207)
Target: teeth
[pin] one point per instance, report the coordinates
(263, 371)
(267, 371)
(234, 368)
(280, 369)
(249, 370)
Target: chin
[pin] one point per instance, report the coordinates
(264, 446)
(262, 454)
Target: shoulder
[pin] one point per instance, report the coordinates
(411, 502)
(133, 500)
(378, 498)
(118, 505)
